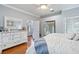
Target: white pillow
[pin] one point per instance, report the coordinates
(70, 36)
(76, 38)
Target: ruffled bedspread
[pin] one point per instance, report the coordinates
(54, 44)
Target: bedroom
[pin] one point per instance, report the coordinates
(21, 25)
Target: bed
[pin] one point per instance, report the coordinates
(57, 43)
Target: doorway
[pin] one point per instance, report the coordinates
(49, 27)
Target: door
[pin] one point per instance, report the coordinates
(36, 30)
(49, 27)
(33, 28)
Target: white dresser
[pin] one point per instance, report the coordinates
(10, 39)
(14, 33)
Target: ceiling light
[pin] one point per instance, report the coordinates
(51, 10)
(44, 6)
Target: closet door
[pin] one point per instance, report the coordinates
(36, 30)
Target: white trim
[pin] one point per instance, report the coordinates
(72, 17)
(20, 10)
(69, 8)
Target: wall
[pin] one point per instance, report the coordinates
(71, 12)
(61, 19)
(4, 11)
(59, 23)
(74, 12)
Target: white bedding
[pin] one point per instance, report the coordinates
(58, 44)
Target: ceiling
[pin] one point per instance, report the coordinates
(34, 8)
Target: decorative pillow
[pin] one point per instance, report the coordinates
(70, 36)
(76, 38)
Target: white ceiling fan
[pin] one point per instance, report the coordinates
(45, 7)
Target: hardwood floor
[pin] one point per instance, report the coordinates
(19, 49)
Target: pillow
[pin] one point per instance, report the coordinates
(76, 38)
(70, 36)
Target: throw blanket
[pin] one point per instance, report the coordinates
(41, 46)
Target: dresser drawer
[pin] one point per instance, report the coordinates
(0, 41)
(6, 37)
(0, 51)
(0, 47)
(7, 45)
(24, 36)
(16, 36)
